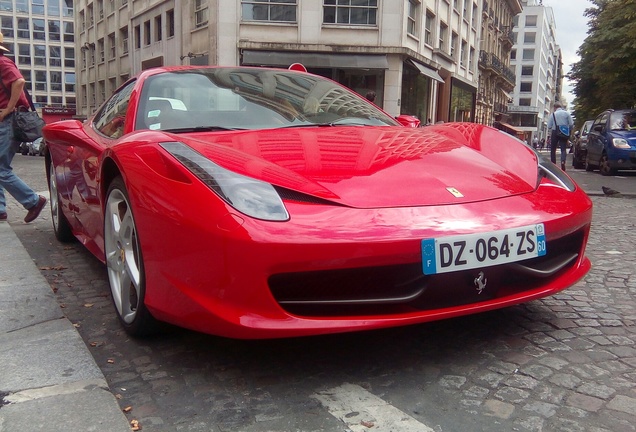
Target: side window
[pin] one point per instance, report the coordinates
(111, 119)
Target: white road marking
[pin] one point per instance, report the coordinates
(362, 411)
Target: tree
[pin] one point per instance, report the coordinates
(605, 77)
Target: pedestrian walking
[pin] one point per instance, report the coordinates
(561, 124)
(12, 96)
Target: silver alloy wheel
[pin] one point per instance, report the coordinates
(122, 255)
(54, 199)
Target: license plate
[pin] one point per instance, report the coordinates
(463, 252)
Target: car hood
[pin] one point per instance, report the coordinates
(371, 167)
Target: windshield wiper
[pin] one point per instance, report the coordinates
(200, 129)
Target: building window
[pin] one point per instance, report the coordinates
(528, 54)
(69, 81)
(463, 60)
(40, 80)
(200, 13)
(37, 7)
(54, 30)
(529, 37)
(91, 15)
(443, 36)
(413, 18)
(471, 59)
(39, 55)
(101, 50)
(147, 34)
(39, 32)
(158, 28)
(513, 54)
(123, 35)
(112, 46)
(170, 23)
(137, 37)
(428, 28)
(7, 26)
(474, 16)
(82, 20)
(453, 47)
(527, 70)
(358, 12)
(264, 10)
(531, 20)
(102, 91)
(100, 9)
(22, 6)
(6, 5)
(24, 28)
(525, 87)
(67, 8)
(69, 33)
(69, 57)
(55, 56)
(56, 80)
(524, 101)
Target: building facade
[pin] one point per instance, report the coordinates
(419, 56)
(536, 58)
(40, 35)
(496, 78)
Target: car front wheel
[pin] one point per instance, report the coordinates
(605, 168)
(124, 261)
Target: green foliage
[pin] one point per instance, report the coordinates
(605, 77)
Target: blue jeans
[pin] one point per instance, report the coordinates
(8, 180)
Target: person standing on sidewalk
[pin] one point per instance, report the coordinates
(14, 97)
(559, 117)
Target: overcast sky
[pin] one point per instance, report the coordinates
(571, 31)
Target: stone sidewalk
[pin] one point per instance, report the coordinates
(49, 381)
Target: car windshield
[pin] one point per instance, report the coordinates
(623, 120)
(250, 98)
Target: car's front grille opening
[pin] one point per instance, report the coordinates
(404, 288)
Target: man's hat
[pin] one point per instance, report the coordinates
(2, 47)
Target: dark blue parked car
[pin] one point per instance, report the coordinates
(611, 144)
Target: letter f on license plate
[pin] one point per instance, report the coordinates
(463, 252)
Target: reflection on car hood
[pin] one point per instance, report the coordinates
(369, 167)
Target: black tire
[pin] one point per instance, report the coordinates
(61, 227)
(124, 261)
(604, 166)
(588, 165)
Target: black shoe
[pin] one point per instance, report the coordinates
(563, 166)
(34, 211)
(3, 217)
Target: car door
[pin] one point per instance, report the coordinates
(83, 179)
(596, 138)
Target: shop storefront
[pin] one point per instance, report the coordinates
(361, 73)
(462, 102)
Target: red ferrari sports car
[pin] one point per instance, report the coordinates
(259, 203)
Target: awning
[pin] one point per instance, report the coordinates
(512, 128)
(427, 71)
(315, 60)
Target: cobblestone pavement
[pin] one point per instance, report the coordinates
(564, 363)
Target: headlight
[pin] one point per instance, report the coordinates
(621, 143)
(247, 195)
(553, 173)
